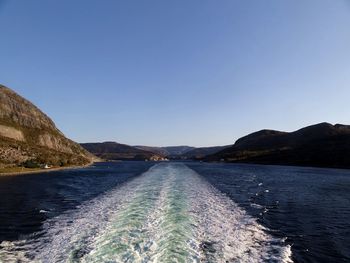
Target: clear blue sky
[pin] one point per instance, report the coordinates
(166, 72)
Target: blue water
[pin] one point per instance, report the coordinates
(26, 201)
(174, 212)
(309, 206)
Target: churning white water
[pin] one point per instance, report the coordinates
(168, 214)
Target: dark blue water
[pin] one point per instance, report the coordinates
(26, 201)
(310, 207)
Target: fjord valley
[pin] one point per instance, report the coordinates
(30, 139)
(187, 131)
(118, 151)
(318, 145)
(226, 208)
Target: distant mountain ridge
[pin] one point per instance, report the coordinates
(201, 152)
(118, 151)
(169, 151)
(153, 149)
(178, 150)
(323, 145)
(27, 134)
(184, 152)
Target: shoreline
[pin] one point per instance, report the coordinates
(54, 169)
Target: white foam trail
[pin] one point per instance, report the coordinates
(64, 234)
(227, 233)
(168, 214)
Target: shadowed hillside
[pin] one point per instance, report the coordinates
(117, 151)
(323, 145)
(200, 152)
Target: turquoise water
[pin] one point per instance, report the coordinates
(154, 224)
(168, 214)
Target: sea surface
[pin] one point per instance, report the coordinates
(176, 212)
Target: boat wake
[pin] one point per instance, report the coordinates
(168, 214)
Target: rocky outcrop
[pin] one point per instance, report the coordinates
(26, 133)
(21, 112)
(54, 142)
(12, 133)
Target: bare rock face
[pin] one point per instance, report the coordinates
(15, 109)
(11, 132)
(26, 133)
(54, 142)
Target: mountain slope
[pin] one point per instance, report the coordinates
(117, 151)
(201, 152)
(178, 150)
(27, 134)
(183, 152)
(323, 145)
(174, 152)
(161, 151)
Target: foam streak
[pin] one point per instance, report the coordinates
(168, 214)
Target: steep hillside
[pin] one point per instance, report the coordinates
(117, 151)
(28, 135)
(323, 145)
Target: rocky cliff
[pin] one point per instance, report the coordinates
(28, 135)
